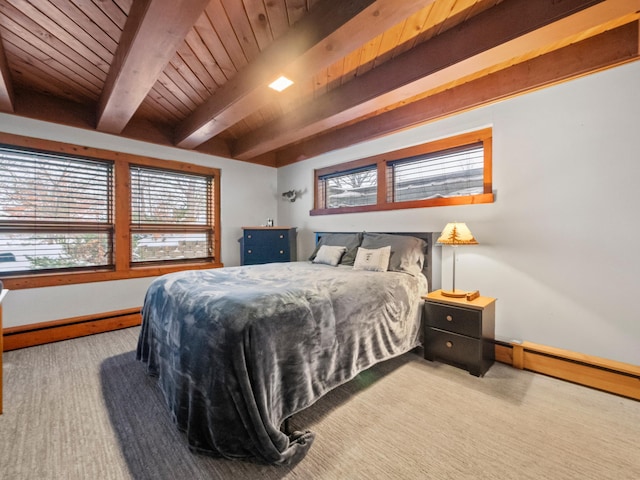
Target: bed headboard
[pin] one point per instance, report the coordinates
(431, 268)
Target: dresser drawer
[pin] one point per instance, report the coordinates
(276, 239)
(453, 348)
(255, 254)
(457, 320)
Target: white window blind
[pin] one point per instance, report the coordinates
(348, 188)
(56, 212)
(171, 215)
(449, 173)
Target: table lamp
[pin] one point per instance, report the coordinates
(455, 234)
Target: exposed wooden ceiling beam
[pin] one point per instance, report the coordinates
(606, 50)
(38, 106)
(6, 86)
(509, 30)
(151, 35)
(332, 29)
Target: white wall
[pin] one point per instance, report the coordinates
(554, 248)
(249, 196)
(557, 245)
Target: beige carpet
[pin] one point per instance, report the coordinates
(84, 409)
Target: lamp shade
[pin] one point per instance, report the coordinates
(456, 234)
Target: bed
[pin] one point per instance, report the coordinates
(238, 350)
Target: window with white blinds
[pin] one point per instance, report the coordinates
(450, 171)
(56, 212)
(171, 215)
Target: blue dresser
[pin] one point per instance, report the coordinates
(268, 245)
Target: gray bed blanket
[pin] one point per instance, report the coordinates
(237, 350)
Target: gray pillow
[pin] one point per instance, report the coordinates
(407, 253)
(351, 241)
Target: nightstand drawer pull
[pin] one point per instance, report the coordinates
(449, 344)
(281, 252)
(249, 251)
(449, 318)
(281, 236)
(248, 236)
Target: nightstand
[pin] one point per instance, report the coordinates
(460, 332)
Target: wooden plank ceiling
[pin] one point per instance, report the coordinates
(194, 73)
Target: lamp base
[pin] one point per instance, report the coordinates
(453, 293)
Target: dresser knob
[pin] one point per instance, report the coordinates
(248, 236)
(281, 252)
(248, 251)
(449, 318)
(449, 344)
(281, 236)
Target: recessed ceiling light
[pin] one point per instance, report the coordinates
(280, 83)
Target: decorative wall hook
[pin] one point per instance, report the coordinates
(291, 195)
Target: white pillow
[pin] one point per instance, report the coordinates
(329, 255)
(376, 260)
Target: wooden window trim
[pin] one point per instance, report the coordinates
(122, 217)
(484, 136)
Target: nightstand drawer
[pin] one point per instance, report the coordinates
(453, 348)
(457, 320)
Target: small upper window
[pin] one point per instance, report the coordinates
(452, 171)
(351, 188)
